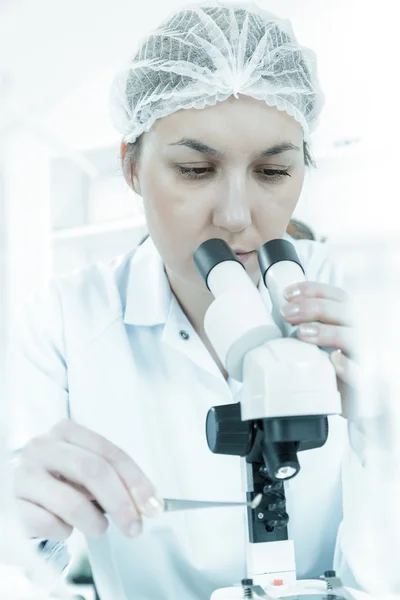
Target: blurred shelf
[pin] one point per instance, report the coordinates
(343, 149)
(87, 231)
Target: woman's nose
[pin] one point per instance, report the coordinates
(232, 211)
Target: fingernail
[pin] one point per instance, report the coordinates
(338, 361)
(154, 506)
(310, 331)
(292, 292)
(290, 310)
(135, 529)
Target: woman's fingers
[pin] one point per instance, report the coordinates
(315, 289)
(76, 475)
(333, 336)
(37, 520)
(322, 313)
(330, 336)
(91, 471)
(138, 486)
(316, 309)
(346, 369)
(38, 487)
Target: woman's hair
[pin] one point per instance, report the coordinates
(300, 231)
(202, 55)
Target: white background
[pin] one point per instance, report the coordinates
(65, 200)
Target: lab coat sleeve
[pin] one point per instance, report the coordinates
(38, 369)
(38, 384)
(368, 544)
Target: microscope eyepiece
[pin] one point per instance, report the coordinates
(276, 251)
(210, 253)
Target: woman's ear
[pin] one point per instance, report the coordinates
(130, 169)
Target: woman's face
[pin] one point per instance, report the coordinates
(232, 171)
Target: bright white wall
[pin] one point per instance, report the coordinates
(352, 194)
(60, 65)
(26, 198)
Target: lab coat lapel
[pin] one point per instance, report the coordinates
(193, 347)
(104, 374)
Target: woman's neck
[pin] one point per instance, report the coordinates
(195, 303)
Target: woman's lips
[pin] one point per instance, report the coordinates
(244, 257)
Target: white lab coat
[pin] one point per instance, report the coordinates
(103, 347)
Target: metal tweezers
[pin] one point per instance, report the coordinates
(175, 505)
(171, 505)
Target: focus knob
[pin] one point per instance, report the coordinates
(227, 433)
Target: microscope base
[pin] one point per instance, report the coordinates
(300, 590)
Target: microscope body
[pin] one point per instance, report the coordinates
(289, 389)
(275, 419)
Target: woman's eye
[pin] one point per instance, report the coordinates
(195, 172)
(205, 172)
(273, 174)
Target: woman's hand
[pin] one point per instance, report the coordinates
(322, 313)
(71, 476)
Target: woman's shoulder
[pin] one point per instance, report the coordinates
(309, 250)
(78, 306)
(316, 260)
(95, 286)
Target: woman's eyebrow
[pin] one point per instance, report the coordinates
(278, 149)
(199, 146)
(205, 149)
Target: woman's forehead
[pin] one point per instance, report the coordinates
(242, 121)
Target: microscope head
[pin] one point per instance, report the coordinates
(289, 386)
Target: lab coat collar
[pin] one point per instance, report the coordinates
(149, 299)
(149, 294)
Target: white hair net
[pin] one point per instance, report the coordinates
(203, 54)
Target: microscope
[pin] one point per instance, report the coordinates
(289, 389)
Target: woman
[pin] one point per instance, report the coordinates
(117, 373)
